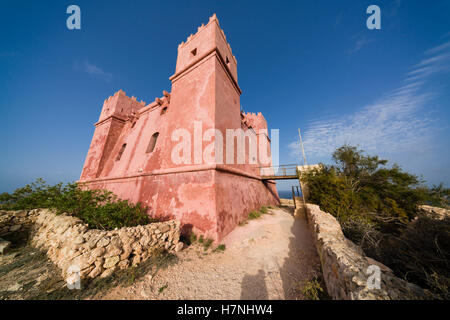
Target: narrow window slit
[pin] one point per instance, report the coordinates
(119, 155)
(152, 143)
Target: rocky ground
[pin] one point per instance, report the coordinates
(27, 273)
(267, 258)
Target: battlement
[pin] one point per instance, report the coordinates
(120, 105)
(209, 40)
(122, 93)
(253, 120)
(212, 19)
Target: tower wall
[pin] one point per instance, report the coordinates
(208, 197)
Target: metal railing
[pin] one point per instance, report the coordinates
(281, 171)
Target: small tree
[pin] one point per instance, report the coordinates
(362, 185)
(377, 206)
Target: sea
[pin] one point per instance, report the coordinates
(285, 194)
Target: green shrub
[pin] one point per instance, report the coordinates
(421, 254)
(220, 247)
(263, 210)
(164, 287)
(192, 238)
(243, 223)
(360, 185)
(312, 289)
(378, 209)
(100, 209)
(207, 244)
(254, 215)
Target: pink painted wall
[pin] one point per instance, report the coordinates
(211, 198)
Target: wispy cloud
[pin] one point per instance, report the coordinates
(93, 70)
(396, 123)
(361, 40)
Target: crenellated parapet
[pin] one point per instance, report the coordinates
(209, 41)
(120, 106)
(212, 19)
(253, 120)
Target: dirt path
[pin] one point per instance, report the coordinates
(268, 258)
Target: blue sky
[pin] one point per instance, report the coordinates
(305, 64)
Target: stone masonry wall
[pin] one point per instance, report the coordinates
(73, 247)
(14, 221)
(345, 267)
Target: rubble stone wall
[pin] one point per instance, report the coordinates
(347, 272)
(14, 221)
(75, 248)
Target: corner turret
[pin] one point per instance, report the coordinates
(120, 106)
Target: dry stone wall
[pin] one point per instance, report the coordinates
(91, 252)
(440, 213)
(14, 221)
(347, 272)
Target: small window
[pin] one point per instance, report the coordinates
(121, 152)
(152, 143)
(228, 62)
(164, 110)
(194, 52)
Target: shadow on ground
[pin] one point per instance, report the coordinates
(254, 287)
(296, 273)
(27, 273)
(302, 285)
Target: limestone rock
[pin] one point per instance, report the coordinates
(123, 264)
(68, 241)
(4, 246)
(145, 240)
(440, 213)
(15, 287)
(108, 272)
(136, 260)
(126, 252)
(103, 242)
(179, 246)
(15, 227)
(78, 240)
(111, 262)
(21, 213)
(112, 250)
(97, 252)
(86, 271)
(345, 267)
(96, 272)
(99, 262)
(137, 248)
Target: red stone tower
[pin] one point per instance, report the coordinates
(156, 153)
